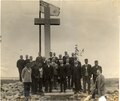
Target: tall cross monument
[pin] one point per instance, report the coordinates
(48, 10)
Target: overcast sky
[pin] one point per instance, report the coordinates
(92, 24)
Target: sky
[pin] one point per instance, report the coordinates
(91, 24)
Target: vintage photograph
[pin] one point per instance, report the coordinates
(59, 50)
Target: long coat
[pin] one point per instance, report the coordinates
(48, 72)
(35, 71)
(76, 73)
(72, 61)
(62, 71)
(20, 64)
(100, 84)
(68, 68)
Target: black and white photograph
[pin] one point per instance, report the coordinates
(59, 50)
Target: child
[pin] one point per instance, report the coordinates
(26, 78)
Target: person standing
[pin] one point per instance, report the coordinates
(68, 73)
(35, 76)
(48, 76)
(72, 59)
(59, 58)
(20, 66)
(76, 72)
(32, 66)
(26, 78)
(94, 70)
(27, 60)
(31, 62)
(40, 78)
(44, 61)
(62, 75)
(50, 57)
(55, 57)
(86, 74)
(55, 72)
(79, 63)
(44, 65)
(66, 56)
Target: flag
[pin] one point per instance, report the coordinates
(54, 11)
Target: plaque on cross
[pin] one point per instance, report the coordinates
(46, 21)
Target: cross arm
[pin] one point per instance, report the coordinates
(43, 21)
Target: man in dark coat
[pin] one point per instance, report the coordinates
(66, 56)
(48, 76)
(39, 59)
(44, 65)
(20, 66)
(72, 59)
(76, 72)
(59, 58)
(76, 59)
(35, 77)
(55, 69)
(79, 63)
(32, 66)
(86, 74)
(27, 60)
(40, 77)
(68, 73)
(50, 57)
(94, 70)
(62, 75)
(55, 57)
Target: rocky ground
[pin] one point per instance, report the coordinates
(14, 92)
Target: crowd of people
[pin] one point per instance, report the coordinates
(60, 73)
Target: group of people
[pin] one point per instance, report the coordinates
(65, 71)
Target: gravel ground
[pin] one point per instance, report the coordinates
(14, 92)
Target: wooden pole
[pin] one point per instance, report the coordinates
(39, 28)
(47, 32)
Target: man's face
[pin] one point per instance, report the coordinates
(86, 61)
(72, 54)
(96, 63)
(50, 54)
(60, 56)
(26, 56)
(31, 58)
(98, 72)
(21, 57)
(65, 53)
(54, 54)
